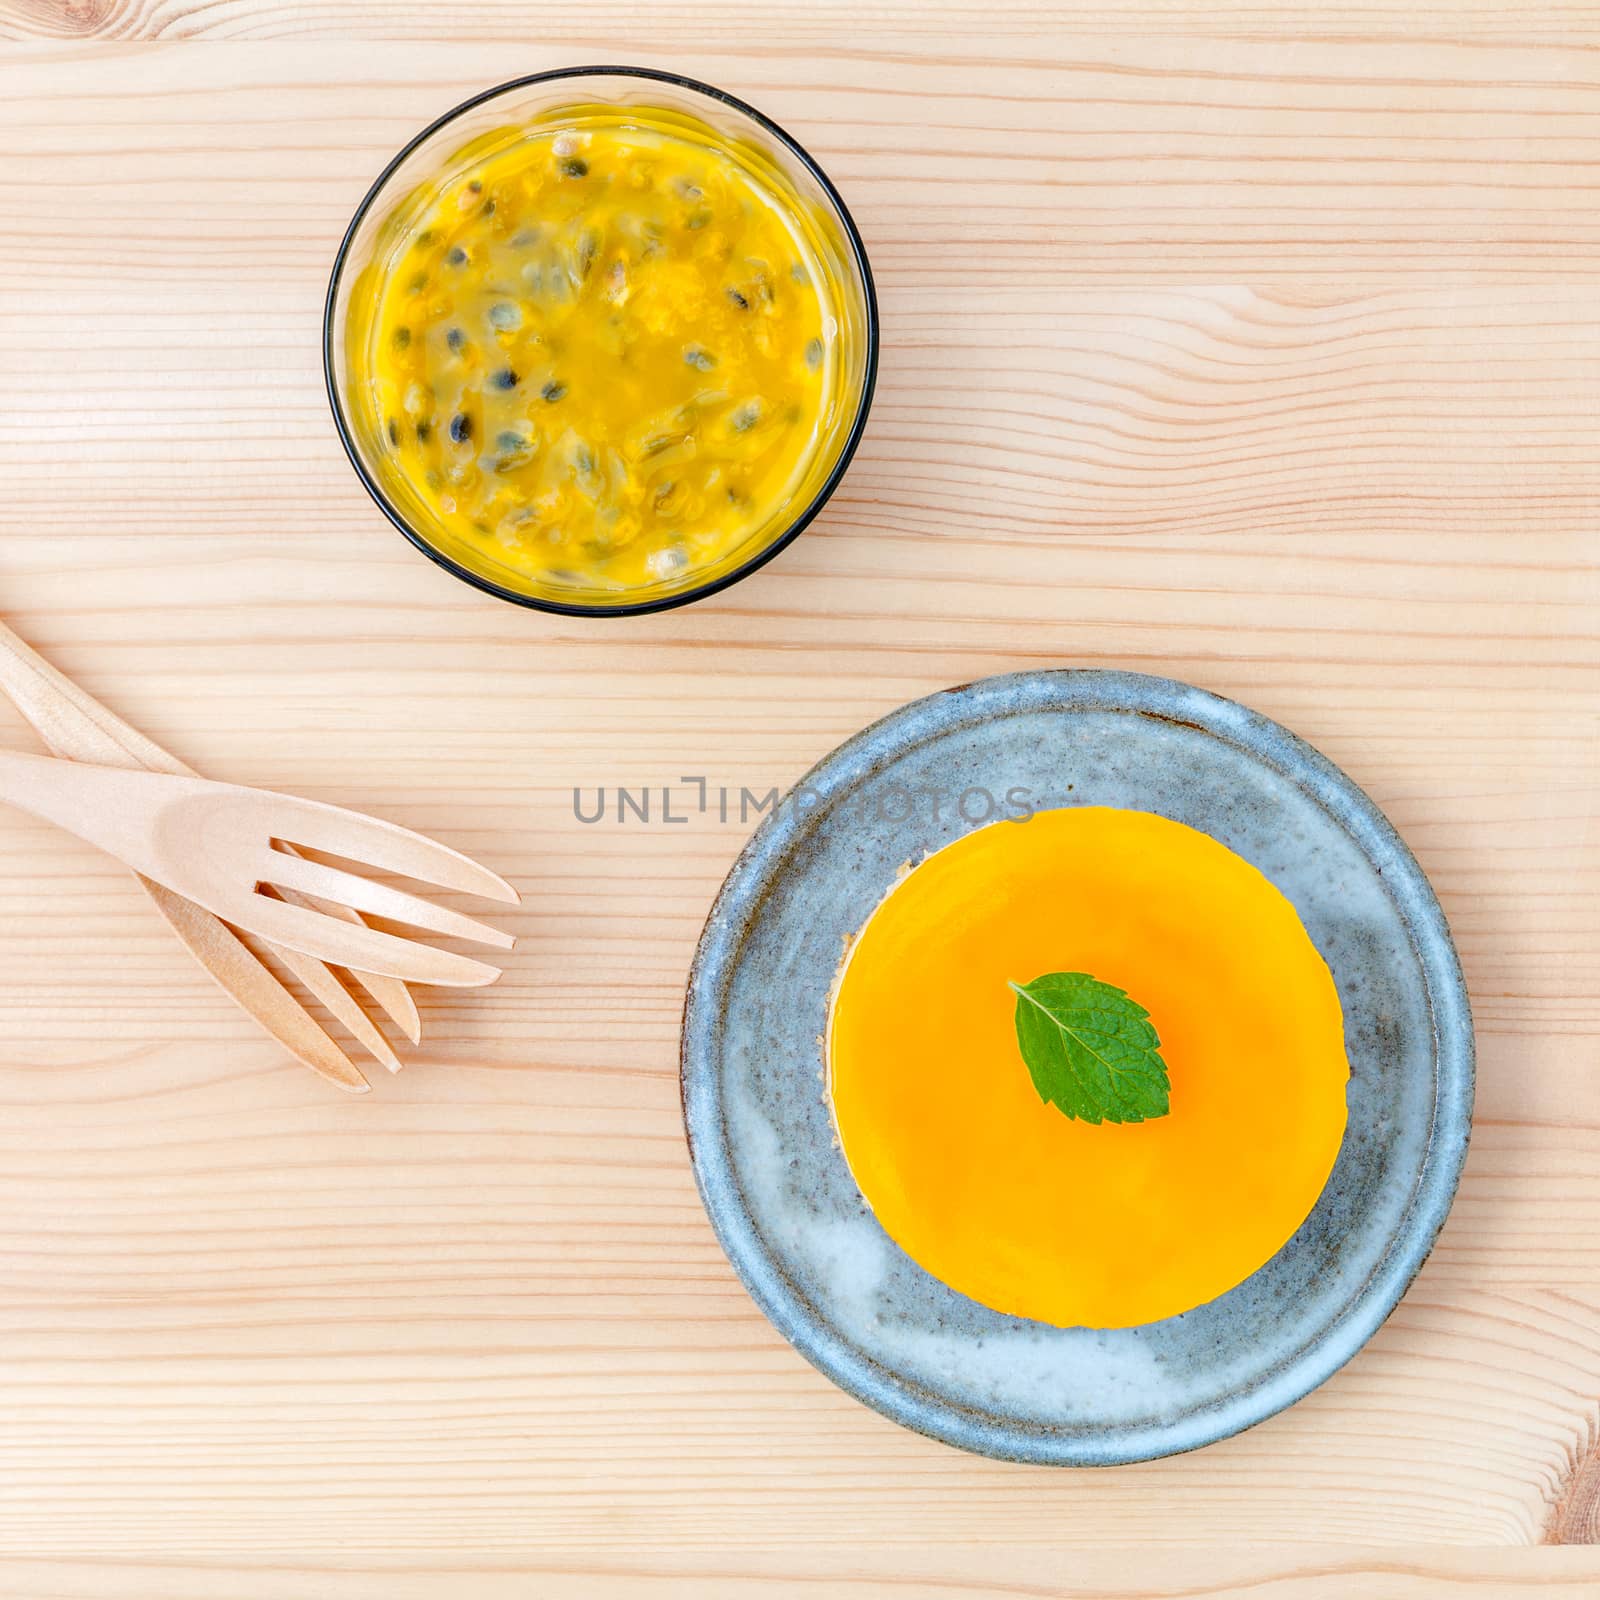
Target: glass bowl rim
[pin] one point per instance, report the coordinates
(627, 608)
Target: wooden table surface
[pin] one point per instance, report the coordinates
(1255, 346)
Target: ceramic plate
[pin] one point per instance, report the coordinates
(775, 1182)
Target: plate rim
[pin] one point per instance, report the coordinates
(1078, 689)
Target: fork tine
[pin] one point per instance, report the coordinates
(353, 945)
(319, 979)
(337, 832)
(377, 899)
(242, 973)
(391, 994)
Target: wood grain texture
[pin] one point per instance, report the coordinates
(951, 28)
(1268, 362)
(1303, 1573)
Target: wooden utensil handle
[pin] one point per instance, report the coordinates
(74, 724)
(71, 721)
(104, 806)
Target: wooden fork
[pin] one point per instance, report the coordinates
(74, 724)
(217, 844)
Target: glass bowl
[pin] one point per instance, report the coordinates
(835, 250)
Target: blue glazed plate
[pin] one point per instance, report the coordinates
(775, 1183)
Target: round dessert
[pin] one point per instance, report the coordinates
(994, 1190)
(600, 351)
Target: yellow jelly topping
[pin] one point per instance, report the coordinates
(598, 353)
(1001, 1195)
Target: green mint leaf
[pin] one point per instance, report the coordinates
(1090, 1050)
